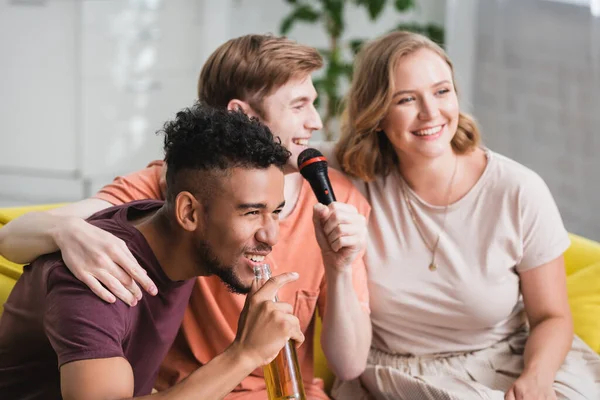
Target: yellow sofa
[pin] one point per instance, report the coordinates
(582, 263)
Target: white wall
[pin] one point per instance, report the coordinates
(38, 88)
(537, 75)
(84, 84)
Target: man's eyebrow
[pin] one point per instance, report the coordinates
(261, 206)
(399, 92)
(245, 206)
(302, 99)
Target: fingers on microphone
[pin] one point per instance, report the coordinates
(344, 242)
(321, 210)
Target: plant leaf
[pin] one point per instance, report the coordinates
(436, 33)
(374, 7)
(348, 70)
(432, 31)
(404, 5)
(302, 13)
(334, 11)
(355, 45)
(318, 84)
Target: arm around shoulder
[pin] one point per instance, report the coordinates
(34, 234)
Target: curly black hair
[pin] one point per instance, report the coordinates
(203, 138)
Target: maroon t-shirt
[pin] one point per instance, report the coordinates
(51, 318)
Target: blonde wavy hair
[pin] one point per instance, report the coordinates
(362, 151)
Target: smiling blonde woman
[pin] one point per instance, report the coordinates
(465, 252)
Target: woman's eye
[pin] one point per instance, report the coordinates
(405, 100)
(443, 91)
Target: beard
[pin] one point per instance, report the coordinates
(214, 266)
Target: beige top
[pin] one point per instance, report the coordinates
(507, 223)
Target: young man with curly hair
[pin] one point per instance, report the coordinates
(224, 193)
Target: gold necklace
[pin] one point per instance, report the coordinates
(432, 264)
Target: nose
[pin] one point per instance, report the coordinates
(313, 121)
(428, 108)
(269, 232)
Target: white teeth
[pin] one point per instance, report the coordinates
(429, 132)
(255, 257)
(301, 142)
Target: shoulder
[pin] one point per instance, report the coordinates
(523, 187)
(346, 191)
(78, 324)
(72, 307)
(142, 184)
(507, 174)
(68, 297)
(156, 164)
(112, 213)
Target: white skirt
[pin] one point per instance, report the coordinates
(483, 374)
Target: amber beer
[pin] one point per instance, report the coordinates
(282, 376)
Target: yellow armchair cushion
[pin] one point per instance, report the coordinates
(10, 213)
(9, 271)
(583, 287)
(9, 268)
(582, 253)
(321, 369)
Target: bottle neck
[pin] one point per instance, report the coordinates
(262, 273)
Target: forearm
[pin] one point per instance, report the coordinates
(29, 236)
(346, 335)
(214, 380)
(547, 346)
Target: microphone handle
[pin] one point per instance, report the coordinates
(322, 188)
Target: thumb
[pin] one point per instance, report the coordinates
(270, 288)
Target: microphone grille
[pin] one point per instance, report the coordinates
(308, 154)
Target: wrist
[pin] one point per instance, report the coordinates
(242, 357)
(60, 227)
(538, 374)
(336, 272)
(339, 281)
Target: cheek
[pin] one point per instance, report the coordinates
(451, 107)
(396, 123)
(237, 238)
(223, 236)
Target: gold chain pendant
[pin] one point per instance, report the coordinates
(432, 266)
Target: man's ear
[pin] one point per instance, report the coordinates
(188, 211)
(239, 105)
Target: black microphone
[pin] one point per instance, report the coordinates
(313, 167)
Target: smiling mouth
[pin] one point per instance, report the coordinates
(254, 257)
(429, 131)
(300, 142)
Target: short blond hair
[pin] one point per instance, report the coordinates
(251, 67)
(362, 151)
